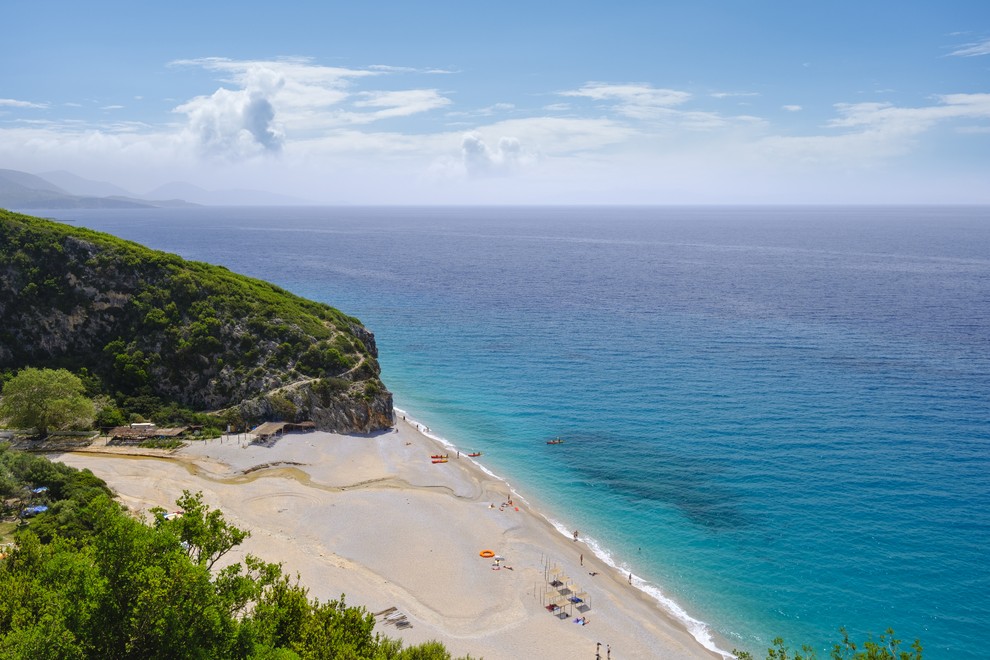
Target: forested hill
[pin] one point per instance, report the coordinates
(148, 325)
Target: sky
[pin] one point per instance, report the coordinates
(397, 102)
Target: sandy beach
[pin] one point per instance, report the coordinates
(373, 518)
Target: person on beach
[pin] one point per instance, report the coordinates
(582, 559)
(575, 534)
(630, 578)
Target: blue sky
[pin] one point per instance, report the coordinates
(512, 102)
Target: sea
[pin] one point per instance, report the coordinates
(776, 418)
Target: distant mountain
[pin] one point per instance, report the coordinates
(20, 190)
(30, 182)
(193, 193)
(77, 185)
(62, 190)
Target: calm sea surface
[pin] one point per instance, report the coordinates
(777, 418)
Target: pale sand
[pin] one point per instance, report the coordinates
(373, 518)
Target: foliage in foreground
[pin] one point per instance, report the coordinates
(86, 580)
(887, 647)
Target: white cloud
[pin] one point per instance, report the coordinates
(269, 102)
(112, 107)
(556, 136)
(600, 142)
(480, 160)
(639, 101)
(875, 131)
(14, 103)
(397, 104)
(973, 49)
(483, 112)
(408, 69)
(892, 119)
(646, 103)
(236, 124)
(725, 95)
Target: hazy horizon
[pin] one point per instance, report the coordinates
(686, 103)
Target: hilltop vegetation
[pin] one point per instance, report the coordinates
(155, 331)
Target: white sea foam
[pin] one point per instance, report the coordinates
(698, 629)
(450, 446)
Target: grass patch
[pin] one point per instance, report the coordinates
(168, 443)
(7, 531)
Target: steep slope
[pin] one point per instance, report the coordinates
(150, 323)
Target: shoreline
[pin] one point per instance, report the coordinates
(699, 630)
(371, 517)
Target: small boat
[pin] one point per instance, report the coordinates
(439, 456)
(439, 460)
(555, 441)
(474, 454)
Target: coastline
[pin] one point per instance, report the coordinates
(373, 518)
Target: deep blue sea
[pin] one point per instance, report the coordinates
(777, 418)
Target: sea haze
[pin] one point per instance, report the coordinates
(777, 416)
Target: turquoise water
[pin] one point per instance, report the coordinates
(778, 418)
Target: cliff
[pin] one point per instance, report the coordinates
(144, 323)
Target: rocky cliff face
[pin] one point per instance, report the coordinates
(147, 323)
(354, 409)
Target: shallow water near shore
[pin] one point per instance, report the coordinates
(779, 417)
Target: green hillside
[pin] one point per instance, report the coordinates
(151, 329)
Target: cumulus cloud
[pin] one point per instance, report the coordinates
(480, 160)
(14, 103)
(236, 124)
(973, 49)
(268, 102)
(791, 108)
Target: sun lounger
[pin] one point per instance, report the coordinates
(394, 617)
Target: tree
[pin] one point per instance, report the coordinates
(204, 533)
(45, 400)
